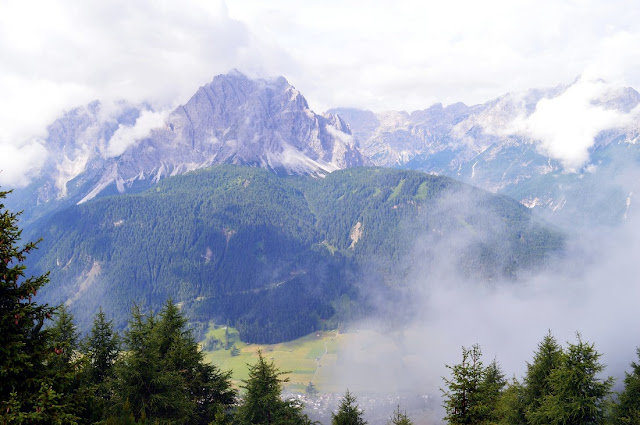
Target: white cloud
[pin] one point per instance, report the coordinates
(56, 56)
(372, 54)
(565, 126)
(407, 55)
(590, 288)
(126, 136)
(26, 107)
(19, 163)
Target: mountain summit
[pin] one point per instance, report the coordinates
(266, 123)
(558, 150)
(237, 120)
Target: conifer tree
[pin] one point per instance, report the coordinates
(510, 408)
(627, 410)
(262, 402)
(64, 335)
(311, 390)
(536, 387)
(491, 390)
(464, 402)
(399, 418)
(140, 379)
(67, 366)
(101, 349)
(208, 388)
(163, 376)
(577, 396)
(27, 391)
(348, 413)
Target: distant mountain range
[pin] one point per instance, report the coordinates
(250, 209)
(473, 144)
(97, 151)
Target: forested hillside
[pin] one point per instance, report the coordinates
(277, 257)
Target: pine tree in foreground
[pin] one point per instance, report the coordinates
(491, 390)
(463, 398)
(101, 349)
(510, 408)
(536, 385)
(348, 413)
(627, 411)
(577, 396)
(399, 418)
(163, 377)
(262, 402)
(28, 388)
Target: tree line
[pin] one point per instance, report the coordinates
(154, 373)
(561, 386)
(229, 243)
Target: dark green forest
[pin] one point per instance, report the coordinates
(154, 372)
(276, 257)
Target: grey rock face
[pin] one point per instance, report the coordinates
(268, 123)
(233, 119)
(76, 145)
(263, 123)
(477, 145)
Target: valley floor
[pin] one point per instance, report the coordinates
(315, 359)
(311, 358)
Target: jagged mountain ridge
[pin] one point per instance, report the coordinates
(268, 123)
(236, 120)
(472, 144)
(233, 119)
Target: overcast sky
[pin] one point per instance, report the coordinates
(379, 55)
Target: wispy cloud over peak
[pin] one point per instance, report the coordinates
(127, 135)
(565, 126)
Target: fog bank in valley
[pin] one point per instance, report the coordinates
(590, 287)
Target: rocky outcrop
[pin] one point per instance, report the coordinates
(234, 119)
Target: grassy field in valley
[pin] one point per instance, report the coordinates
(311, 358)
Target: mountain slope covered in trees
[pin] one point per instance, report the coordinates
(278, 257)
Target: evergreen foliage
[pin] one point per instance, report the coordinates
(67, 365)
(65, 336)
(560, 387)
(163, 377)
(273, 256)
(627, 410)
(465, 402)
(576, 393)
(311, 390)
(537, 385)
(348, 412)
(234, 351)
(101, 350)
(399, 418)
(491, 389)
(141, 380)
(510, 408)
(474, 394)
(262, 402)
(30, 391)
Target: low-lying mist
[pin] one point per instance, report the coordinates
(590, 286)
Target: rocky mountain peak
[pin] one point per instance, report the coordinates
(233, 119)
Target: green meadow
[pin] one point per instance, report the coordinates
(311, 358)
